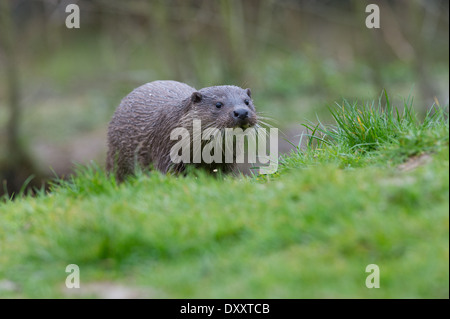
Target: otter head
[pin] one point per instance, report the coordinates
(224, 107)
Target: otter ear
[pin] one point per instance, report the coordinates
(196, 97)
(249, 93)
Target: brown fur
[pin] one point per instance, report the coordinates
(139, 132)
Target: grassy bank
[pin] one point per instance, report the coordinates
(372, 189)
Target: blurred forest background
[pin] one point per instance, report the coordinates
(59, 87)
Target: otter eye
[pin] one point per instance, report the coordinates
(219, 105)
(246, 101)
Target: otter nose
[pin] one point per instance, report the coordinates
(241, 113)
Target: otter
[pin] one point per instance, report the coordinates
(140, 129)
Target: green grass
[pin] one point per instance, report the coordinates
(308, 230)
(371, 134)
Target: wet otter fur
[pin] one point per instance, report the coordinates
(139, 132)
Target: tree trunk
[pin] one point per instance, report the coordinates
(12, 81)
(17, 167)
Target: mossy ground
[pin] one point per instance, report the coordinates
(308, 231)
